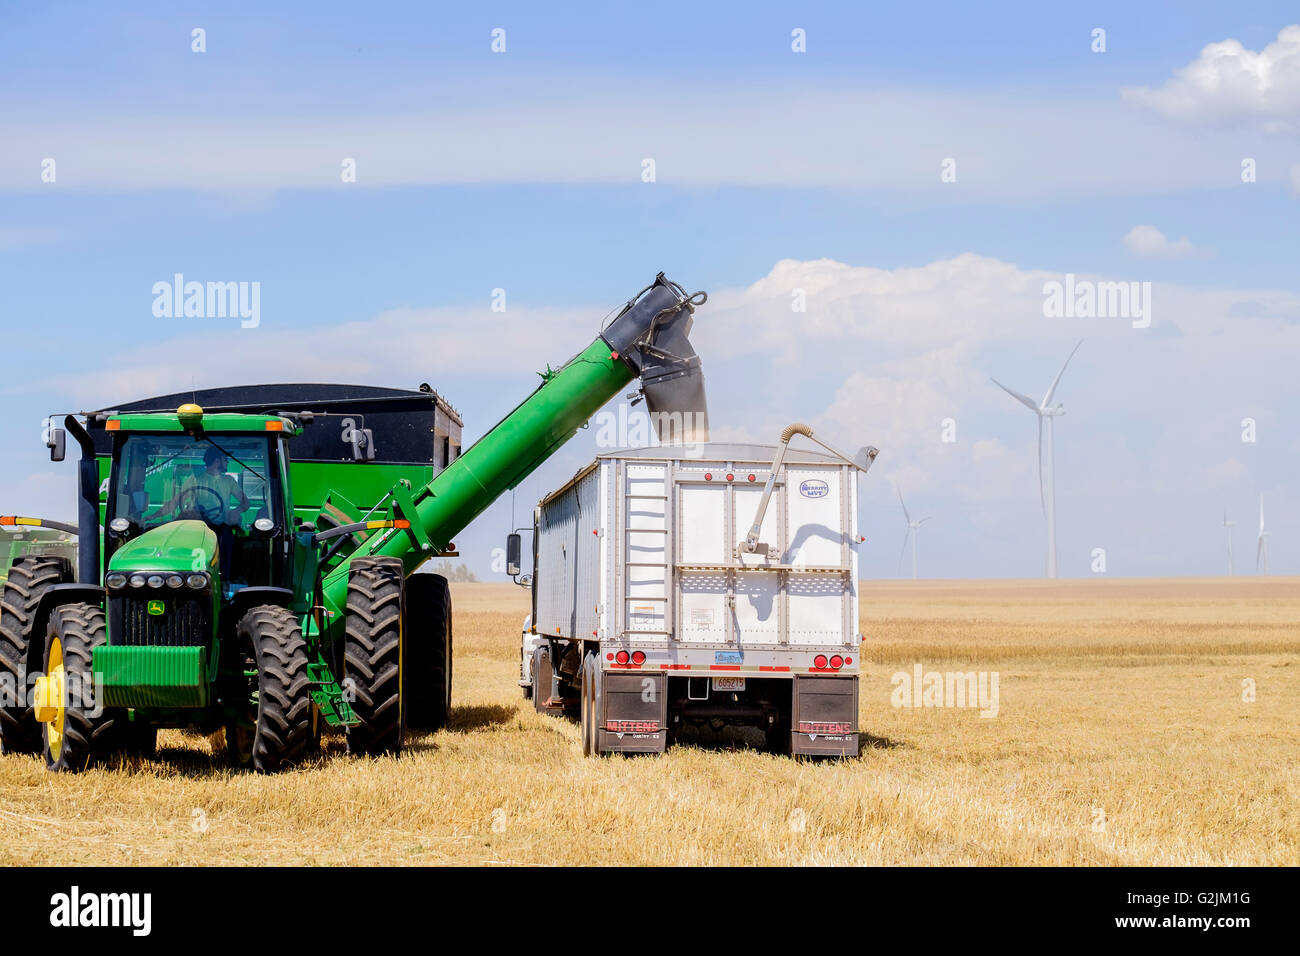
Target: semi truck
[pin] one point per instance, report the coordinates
(699, 583)
(219, 585)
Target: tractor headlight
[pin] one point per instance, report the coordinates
(197, 581)
(137, 580)
(263, 524)
(119, 525)
(115, 580)
(174, 580)
(155, 580)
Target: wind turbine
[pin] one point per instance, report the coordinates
(1261, 549)
(912, 528)
(1227, 530)
(1046, 411)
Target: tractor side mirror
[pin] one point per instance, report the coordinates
(56, 442)
(512, 555)
(363, 444)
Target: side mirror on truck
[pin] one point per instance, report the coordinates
(512, 555)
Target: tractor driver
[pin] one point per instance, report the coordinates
(202, 494)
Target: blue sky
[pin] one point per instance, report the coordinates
(522, 171)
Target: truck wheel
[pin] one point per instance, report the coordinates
(541, 678)
(427, 670)
(28, 579)
(76, 730)
(373, 655)
(276, 721)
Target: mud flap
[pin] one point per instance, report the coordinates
(632, 713)
(824, 718)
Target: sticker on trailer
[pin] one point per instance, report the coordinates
(814, 488)
(728, 657)
(702, 618)
(644, 617)
(728, 683)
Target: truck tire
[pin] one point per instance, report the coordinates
(28, 579)
(427, 671)
(373, 655)
(277, 723)
(77, 737)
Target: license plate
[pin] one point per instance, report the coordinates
(728, 683)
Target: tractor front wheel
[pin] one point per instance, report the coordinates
(373, 655)
(76, 728)
(275, 727)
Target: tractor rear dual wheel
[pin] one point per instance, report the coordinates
(373, 661)
(428, 649)
(275, 729)
(29, 577)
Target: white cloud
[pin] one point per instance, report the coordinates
(1229, 84)
(1148, 242)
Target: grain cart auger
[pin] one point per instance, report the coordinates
(203, 597)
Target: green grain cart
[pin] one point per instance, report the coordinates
(223, 583)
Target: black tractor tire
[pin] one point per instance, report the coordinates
(86, 737)
(28, 579)
(276, 729)
(373, 655)
(428, 638)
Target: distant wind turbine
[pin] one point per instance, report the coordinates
(912, 528)
(1227, 530)
(1046, 411)
(1261, 549)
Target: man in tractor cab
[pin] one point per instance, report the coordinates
(209, 494)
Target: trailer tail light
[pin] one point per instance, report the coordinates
(638, 658)
(848, 660)
(620, 657)
(708, 476)
(837, 662)
(819, 662)
(731, 477)
(751, 477)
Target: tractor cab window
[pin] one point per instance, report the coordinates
(222, 480)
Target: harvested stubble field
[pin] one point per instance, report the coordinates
(1122, 737)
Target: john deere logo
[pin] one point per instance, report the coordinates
(156, 607)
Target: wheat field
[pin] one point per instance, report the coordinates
(1140, 722)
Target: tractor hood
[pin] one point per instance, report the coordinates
(176, 546)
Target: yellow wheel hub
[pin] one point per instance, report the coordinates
(50, 703)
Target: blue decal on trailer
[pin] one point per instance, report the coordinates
(814, 488)
(728, 657)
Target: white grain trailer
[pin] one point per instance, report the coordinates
(699, 584)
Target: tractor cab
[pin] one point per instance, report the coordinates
(207, 494)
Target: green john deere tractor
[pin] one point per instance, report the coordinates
(222, 583)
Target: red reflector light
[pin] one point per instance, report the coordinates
(837, 662)
(609, 656)
(848, 660)
(638, 657)
(708, 476)
(751, 477)
(819, 662)
(731, 477)
(621, 657)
